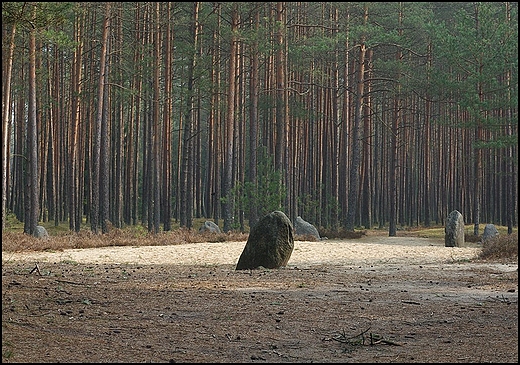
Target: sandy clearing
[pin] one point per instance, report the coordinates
(365, 251)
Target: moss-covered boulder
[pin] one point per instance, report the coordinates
(270, 243)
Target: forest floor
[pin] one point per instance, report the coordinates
(374, 299)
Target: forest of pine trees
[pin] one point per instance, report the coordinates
(350, 115)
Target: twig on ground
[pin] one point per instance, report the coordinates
(69, 282)
(343, 338)
(379, 339)
(410, 302)
(374, 339)
(37, 269)
(501, 300)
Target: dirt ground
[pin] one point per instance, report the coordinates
(377, 299)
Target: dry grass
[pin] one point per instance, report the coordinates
(130, 236)
(16, 241)
(305, 237)
(470, 237)
(341, 233)
(500, 247)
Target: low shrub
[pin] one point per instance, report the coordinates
(472, 238)
(341, 233)
(500, 247)
(305, 237)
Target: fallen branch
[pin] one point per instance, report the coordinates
(37, 269)
(343, 338)
(374, 339)
(410, 302)
(69, 282)
(503, 299)
(380, 339)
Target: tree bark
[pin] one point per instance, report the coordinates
(392, 230)
(186, 205)
(167, 128)
(230, 122)
(253, 125)
(97, 196)
(6, 117)
(281, 106)
(32, 204)
(353, 194)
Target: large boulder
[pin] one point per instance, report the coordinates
(302, 227)
(490, 231)
(209, 226)
(270, 243)
(454, 230)
(41, 232)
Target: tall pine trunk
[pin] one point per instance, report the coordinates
(186, 181)
(97, 196)
(253, 125)
(6, 116)
(230, 122)
(353, 189)
(32, 207)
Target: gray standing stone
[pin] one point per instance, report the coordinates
(490, 231)
(454, 231)
(270, 243)
(41, 232)
(209, 226)
(303, 228)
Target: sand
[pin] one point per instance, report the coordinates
(364, 251)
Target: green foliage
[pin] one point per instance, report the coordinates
(308, 205)
(12, 223)
(475, 70)
(48, 14)
(267, 193)
(138, 230)
(7, 350)
(498, 142)
(11, 12)
(312, 46)
(471, 56)
(58, 38)
(53, 13)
